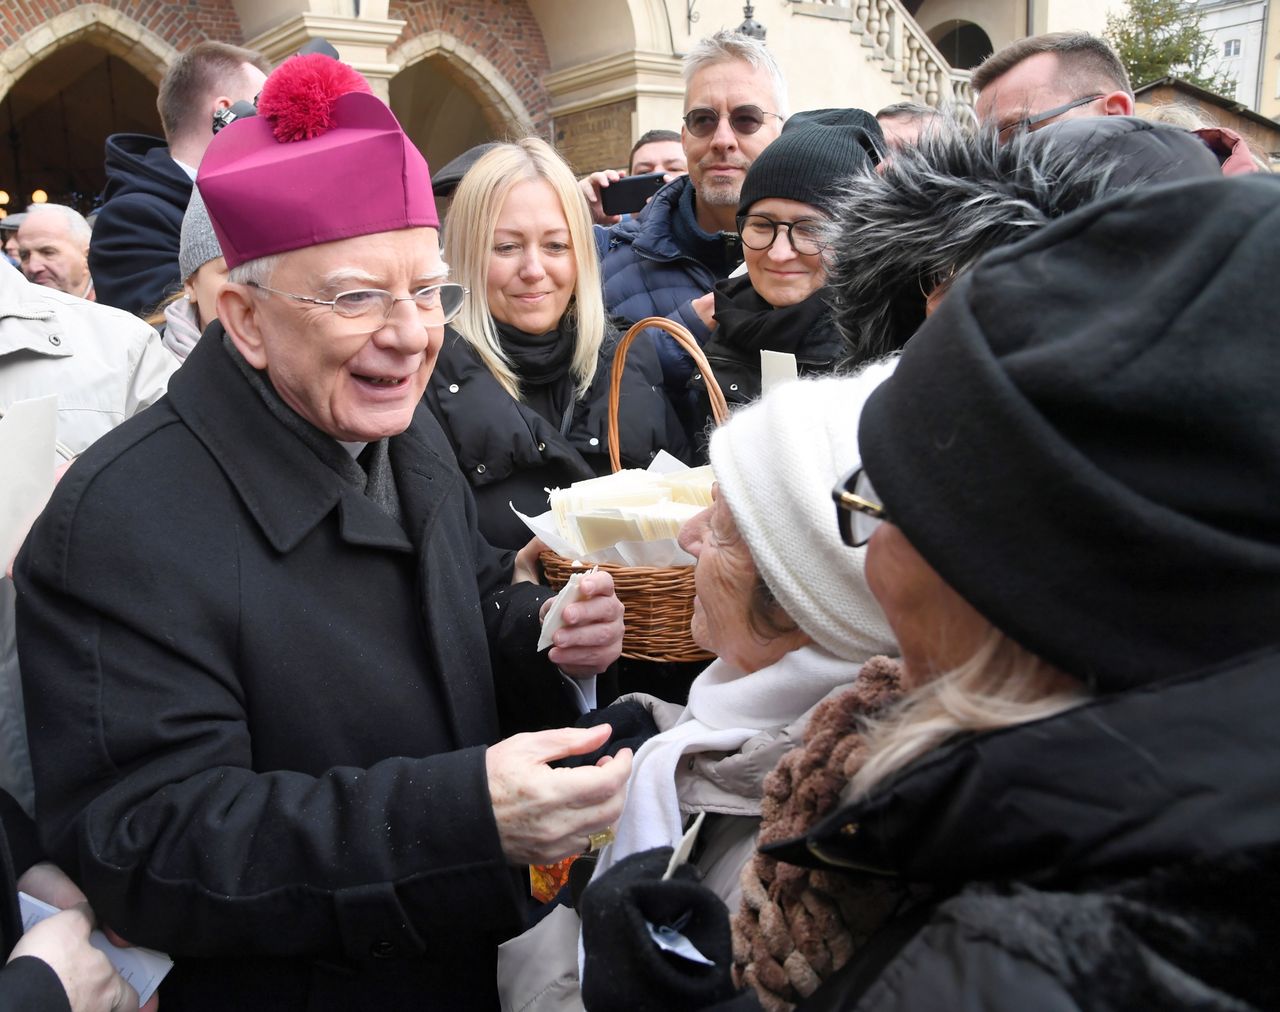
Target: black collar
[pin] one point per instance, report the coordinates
(283, 484)
(1169, 772)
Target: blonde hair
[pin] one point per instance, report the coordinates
(468, 245)
(1002, 685)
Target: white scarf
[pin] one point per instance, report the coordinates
(726, 709)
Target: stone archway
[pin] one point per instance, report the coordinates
(449, 97)
(962, 43)
(108, 29)
(64, 87)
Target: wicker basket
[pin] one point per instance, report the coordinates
(658, 601)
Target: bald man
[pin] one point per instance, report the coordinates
(53, 249)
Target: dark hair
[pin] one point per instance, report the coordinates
(205, 69)
(651, 137)
(1087, 61)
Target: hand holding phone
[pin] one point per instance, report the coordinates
(630, 193)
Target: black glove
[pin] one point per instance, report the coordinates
(632, 725)
(625, 968)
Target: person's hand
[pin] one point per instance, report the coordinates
(591, 186)
(622, 960)
(591, 637)
(527, 568)
(705, 307)
(543, 814)
(46, 881)
(91, 982)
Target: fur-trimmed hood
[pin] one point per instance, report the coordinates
(933, 210)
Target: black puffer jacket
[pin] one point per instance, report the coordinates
(1122, 855)
(746, 325)
(511, 454)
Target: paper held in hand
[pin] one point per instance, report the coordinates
(631, 518)
(569, 594)
(142, 968)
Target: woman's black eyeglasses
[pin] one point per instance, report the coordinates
(744, 120)
(759, 231)
(858, 509)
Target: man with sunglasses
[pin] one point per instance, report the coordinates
(666, 260)
(266, 650)
(1046, 78)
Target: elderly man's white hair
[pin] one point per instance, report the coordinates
(725, 46)
(77, 226)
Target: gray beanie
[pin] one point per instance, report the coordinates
(198, 245)
(776, 461)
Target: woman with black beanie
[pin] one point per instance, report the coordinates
(782, 304)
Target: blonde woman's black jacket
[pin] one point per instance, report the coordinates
(260, 707)
(512, 454)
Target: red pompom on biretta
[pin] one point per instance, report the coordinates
(299, 95)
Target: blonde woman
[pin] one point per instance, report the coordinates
(1075, 542)
(521, 385)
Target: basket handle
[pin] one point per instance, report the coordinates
(719, 407)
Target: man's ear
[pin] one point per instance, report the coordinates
(1118, 103)
(238, 312)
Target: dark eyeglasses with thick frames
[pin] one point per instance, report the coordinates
(743, 121)
(437, 304)
(858, 509)
(759, 231)
(1029, 123)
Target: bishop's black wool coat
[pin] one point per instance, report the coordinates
(259, 709)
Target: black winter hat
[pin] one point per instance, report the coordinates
(1084, 439)
(814, 153)
(444, 182)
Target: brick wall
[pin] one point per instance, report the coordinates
(181, 23)
(504, 32)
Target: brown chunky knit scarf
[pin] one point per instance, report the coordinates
(797, 926)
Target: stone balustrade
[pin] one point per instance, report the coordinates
(901, 48)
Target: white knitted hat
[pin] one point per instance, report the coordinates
(776, 461)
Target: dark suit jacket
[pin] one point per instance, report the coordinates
(259, 710)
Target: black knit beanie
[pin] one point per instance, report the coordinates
(1084, 439)
(815, 151)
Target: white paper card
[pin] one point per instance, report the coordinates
(681, 854)
(142, 968)
(569, 594)
(776, 368)
(28, 435)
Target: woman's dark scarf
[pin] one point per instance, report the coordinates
(747, 322)
(542, 363)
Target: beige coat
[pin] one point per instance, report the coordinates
(104, 365)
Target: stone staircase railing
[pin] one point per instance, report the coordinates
(903, 49)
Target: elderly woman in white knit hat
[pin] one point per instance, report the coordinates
(786, 608)
(184, 315)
